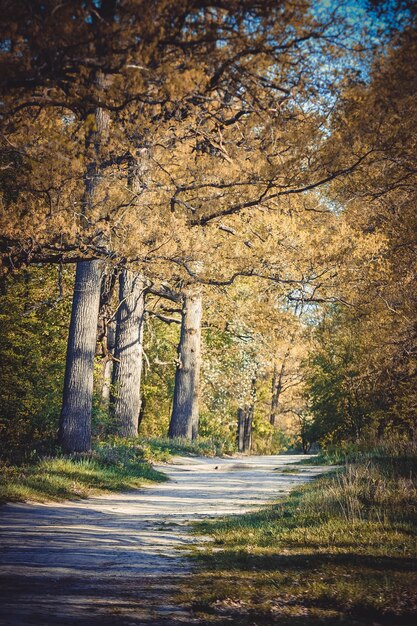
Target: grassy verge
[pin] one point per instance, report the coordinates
(163, 448)
(357, 453)
(109, 468)
(340, 550)
(114, 465)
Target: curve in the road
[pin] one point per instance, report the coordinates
(114, 560)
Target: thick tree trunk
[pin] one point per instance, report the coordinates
(184, 417)
(128, 354)
(75, 423)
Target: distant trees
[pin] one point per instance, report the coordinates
(245, 417)
(279, 383)
(34, 318)
(205, 153)
(361, 375)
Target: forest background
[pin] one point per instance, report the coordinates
(257, 157)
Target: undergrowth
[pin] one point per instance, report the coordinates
(340, 550)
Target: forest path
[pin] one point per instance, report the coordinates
(114, 559)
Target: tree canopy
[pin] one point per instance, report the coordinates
(263, 153)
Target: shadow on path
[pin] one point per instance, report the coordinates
(115, 559)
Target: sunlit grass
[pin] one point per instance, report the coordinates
(163, 448)
(64, 478)
(115, 465)
(340, 550)
(159, 449)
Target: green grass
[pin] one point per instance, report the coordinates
(340, 550)
(114, 465)
(67, 478)
(355, 452)
(163, 448)
(287, 470)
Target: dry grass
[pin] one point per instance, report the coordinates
(341, 550)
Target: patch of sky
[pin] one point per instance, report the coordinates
(5, 45)
(301, 302)
(331, 205)
(367, 28)
(312, 313)
(356, 32)
(97, 4)
(221, 43)
(68, 119)
(296, 302)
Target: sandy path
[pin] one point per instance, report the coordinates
(114, 559)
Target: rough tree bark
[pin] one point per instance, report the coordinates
(185, 416)
(75, 423)
(125, 399)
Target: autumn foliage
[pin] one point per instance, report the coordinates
(259, 152)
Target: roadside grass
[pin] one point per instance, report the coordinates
(352, 453)
(288, 470)
(160, 449)
(340, 550)
(163, 448)
(64, 478)
(114, 465)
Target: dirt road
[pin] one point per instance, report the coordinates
(114, 560)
